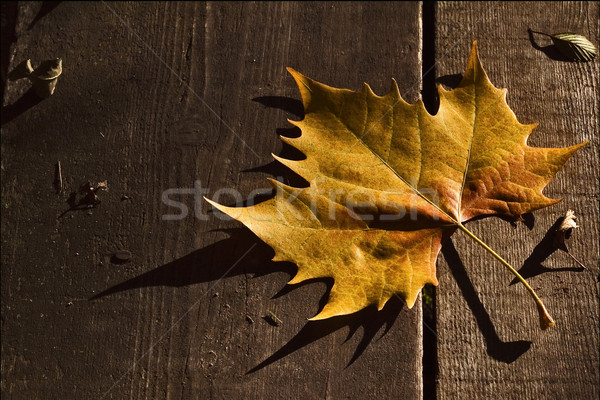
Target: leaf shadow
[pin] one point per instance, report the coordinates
(46, 8)
(9, 11)
(280, 171)
(28, 100)
(506, 352)
(369, 319)
(214, 262)
(550, 51)
(275, 168)
(450, 81)
(288, 104)
(533, 266)
(222, 259)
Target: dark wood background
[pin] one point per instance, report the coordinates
(157, 96)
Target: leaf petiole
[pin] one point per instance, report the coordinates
(540, 33)
(546, 320)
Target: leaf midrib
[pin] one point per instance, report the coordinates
(453, 220)
(464, 179)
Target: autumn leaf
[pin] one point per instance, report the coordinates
(387, 180)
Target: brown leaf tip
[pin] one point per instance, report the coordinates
(546, 320)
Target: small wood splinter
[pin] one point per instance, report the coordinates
(59, 179)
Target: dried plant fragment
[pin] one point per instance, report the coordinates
(45, 76)
(573, 46)
(564, 232)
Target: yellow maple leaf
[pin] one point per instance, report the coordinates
(387, 179)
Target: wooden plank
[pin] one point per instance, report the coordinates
(157, 96)
(489, 342)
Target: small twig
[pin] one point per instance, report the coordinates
(274, 318)
(576, 260)
(540, 33)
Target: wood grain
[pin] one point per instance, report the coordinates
(489, 342)
(156, 96)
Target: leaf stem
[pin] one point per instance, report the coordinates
(546, 320)
(540, 33)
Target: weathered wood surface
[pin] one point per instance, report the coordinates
(489, 343)
(157, 96)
